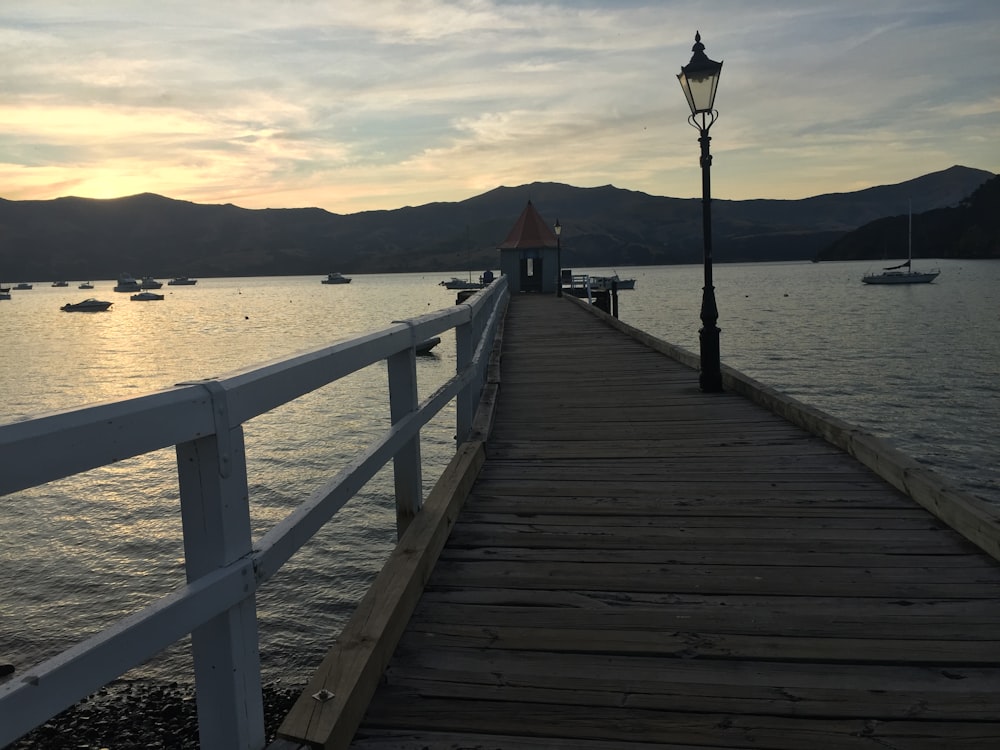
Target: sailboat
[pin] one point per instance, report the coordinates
(897, 274)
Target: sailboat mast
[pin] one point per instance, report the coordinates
(909, 232)
(468, 249)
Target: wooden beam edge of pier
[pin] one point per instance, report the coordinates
(331, 707)
(975, 519)
(333, 703)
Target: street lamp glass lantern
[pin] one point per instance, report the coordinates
(558, 228)
(700, 79)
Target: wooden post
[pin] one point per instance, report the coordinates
(215, 512)
(465, 402)
(406, 464)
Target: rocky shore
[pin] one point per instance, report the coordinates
(134, 715)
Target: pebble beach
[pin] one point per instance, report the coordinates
(135, 715)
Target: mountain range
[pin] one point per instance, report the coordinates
(80, 238)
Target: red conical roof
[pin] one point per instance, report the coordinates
(529, 231)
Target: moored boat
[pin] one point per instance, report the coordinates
(86, 285)
(607, 282)
(892, 275)
(148, 282)
(897, 274)
(182, 281)
(145, 297)
(336, 278)
(424, 347)
(456, 283)
(127, 283)
(88, 305)
(22, 286)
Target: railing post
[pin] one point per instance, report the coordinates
(215, 513)
(482, 326)
(465, 402)
(406, 466)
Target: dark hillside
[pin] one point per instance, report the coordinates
(968, 230)
(78, 238)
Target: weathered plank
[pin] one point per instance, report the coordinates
(828, 617)
(492, 723)
(710, 685)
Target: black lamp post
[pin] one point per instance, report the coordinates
(558, 230)
(700, 79)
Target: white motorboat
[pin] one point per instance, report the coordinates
(148, 282)
(127, 283)
(145, 297)
(88, 305)
(86, 285)
(182, 281)
(607, 282)
(336, 278)
(456, 283)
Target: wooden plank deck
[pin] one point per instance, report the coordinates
(640, 565)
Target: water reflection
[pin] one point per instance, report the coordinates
(89, 549)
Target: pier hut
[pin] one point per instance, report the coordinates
(529, 254)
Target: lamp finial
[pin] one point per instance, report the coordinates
(698, 49)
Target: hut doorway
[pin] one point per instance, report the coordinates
(531, 272)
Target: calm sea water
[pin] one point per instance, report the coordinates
(917, 365)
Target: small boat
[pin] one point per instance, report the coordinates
(182, 281)
(148, 282)
(86, 285)
(145, 297)
(4, 293)
(336, 278)
(22, 286)
(606, 282)
(424, 347)
(456, 283)
(127, 283)
(892, 275)
(88, 305)
(896, 274)
(60, 283)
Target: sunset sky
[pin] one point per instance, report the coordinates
(351, 106)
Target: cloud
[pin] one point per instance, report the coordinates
(353, 106)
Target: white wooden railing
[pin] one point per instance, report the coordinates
(580, 281)
(224, 568)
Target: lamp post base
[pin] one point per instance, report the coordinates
(710, 378)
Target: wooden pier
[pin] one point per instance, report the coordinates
(640, 565)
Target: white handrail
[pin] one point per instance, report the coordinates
(582, 281)
(224, 568)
